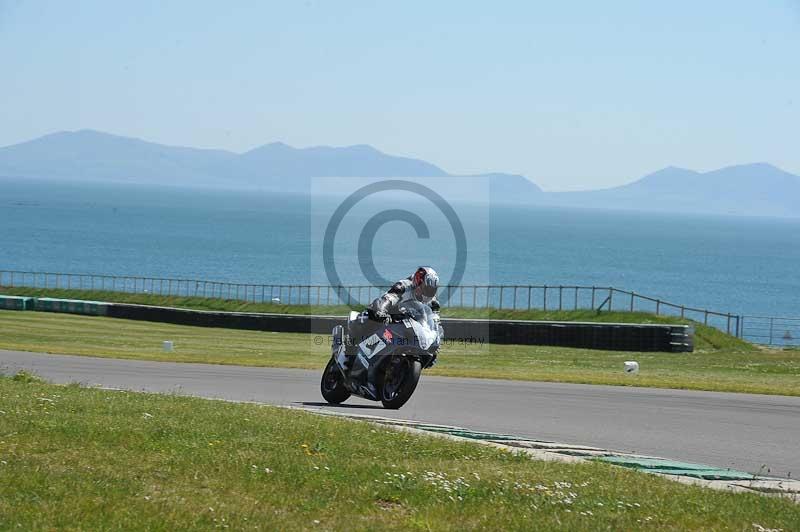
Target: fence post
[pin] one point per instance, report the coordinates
(593, 289)
(529, 297)
(633, 294)
(560, 297)
(658, 306)
(705, 319)
(474, 296)
(576, 298)
(544, 300)
(728, 328)
(610, 301)
(683, 311)
(514, 306)
(500, 304)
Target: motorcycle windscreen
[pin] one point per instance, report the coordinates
(426, 336)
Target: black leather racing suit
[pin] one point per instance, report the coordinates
(379, 310)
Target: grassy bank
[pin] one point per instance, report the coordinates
(705, 337)
(728, 369)
(75, 458)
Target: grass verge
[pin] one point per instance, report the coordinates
(76, 458)
(705, 336)
(748, 370)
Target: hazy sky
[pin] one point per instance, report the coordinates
(573, 95)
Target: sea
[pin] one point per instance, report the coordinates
(742, 265)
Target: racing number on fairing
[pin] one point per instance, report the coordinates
(372, 346)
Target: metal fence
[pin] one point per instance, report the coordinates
(767, 330)
(771, 330)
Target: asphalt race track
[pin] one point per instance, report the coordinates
(754, 433)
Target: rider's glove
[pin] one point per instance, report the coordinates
(379, 315)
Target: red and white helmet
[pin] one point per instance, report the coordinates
(426, 282)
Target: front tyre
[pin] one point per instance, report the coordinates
(400, 379)
(332, 385)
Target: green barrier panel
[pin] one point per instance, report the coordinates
(16, 303)
(71, 306)
(670, 467)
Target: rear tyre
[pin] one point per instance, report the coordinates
(400, 379)
(332, 385)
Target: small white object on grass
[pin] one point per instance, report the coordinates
(276, 300)
(631, 366)
(168, 346)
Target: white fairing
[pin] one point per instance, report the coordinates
(424, 323)
(425, 335)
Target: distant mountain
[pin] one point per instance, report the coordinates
(758, 189)
(94, 156)
(277, 160)
(89, 155)
(86, 155)
(513, 189)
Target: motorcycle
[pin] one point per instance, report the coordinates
(388, 363)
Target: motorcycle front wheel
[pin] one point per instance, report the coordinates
(332, 385)
(400, 379)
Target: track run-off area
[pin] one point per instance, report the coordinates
(758, 434)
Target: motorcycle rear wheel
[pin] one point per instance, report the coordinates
(400, 379)
(332, 385)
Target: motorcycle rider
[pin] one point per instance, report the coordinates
(420, 286)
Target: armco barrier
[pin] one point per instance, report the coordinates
(71, 306)
(229, 320)
(16, 303)
(609, 336)
(587, 335)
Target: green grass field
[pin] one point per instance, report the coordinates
(705, 337)
(86, 459)
(738, 367)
